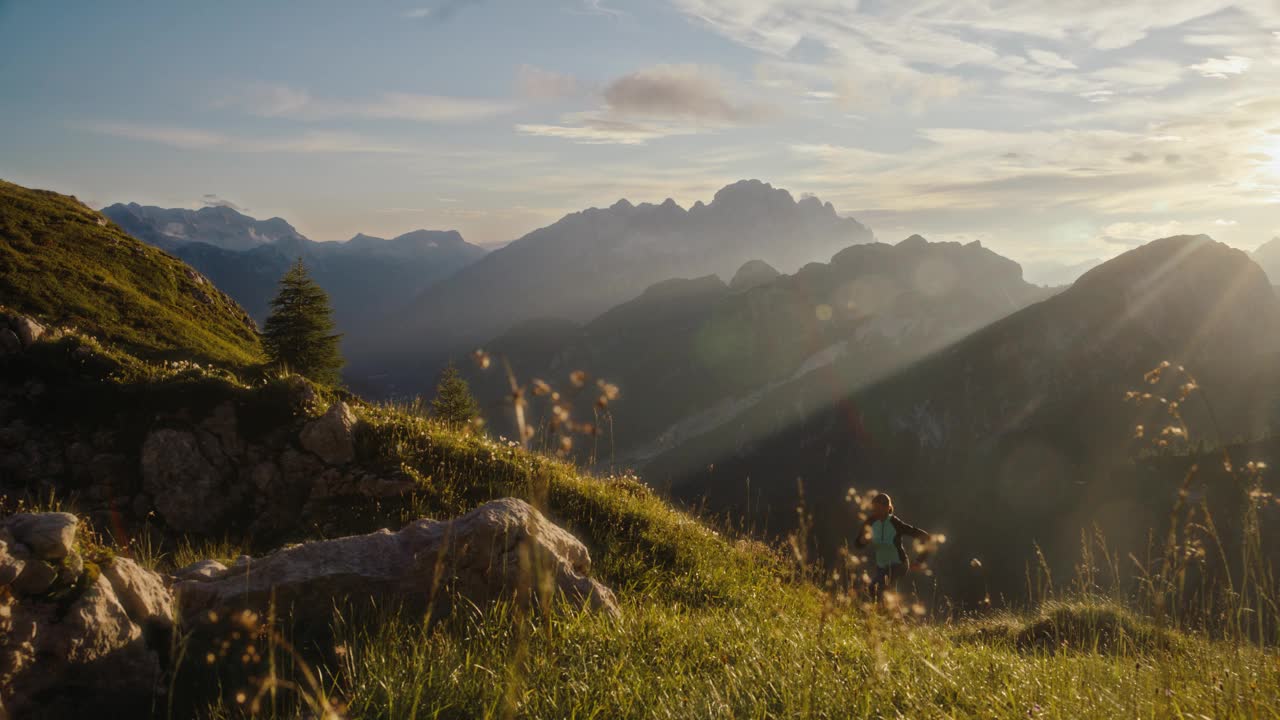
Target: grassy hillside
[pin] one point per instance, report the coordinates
(712, 625)
(717, 626)
(67, 265)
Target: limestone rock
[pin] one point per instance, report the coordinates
(331, 437)
(503, 549)
(222, 424)
(140, 591)
(49, 536)
(27, 329)
(13, 558)
(188, 491)
(36, 577)
(201, 570)
(88, 659)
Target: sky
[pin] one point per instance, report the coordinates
(1049, 130)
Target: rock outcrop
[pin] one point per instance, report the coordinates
(504, 549)
(188, 491)
(18, 331)
(91, 638)
(332, 437)
(76, 638)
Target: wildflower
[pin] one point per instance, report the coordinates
(481, 359)
(578, 378)
(608, 390)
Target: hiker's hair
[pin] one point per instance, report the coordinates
(883, 499)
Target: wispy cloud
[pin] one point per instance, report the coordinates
(197, 139)
(211, 200)
(655, 102)
(684, 92)
(1137, 233)
(1051, 59)
(1221, 68)
(539, 84)
(591, 130)
(267, 100)
(441, 12)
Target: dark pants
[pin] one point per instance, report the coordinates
(886, 578)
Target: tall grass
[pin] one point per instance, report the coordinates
(714, 625)
(1188, 579)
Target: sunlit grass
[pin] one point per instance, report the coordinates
(713, 625)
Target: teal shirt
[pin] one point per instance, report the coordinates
(887, 536)
(884, 539)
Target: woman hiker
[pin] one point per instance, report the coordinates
(886, 536)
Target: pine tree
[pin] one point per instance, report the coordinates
(454, 405)
(299, 333)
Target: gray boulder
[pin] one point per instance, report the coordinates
(504, 549)
(36, 577)
(13, 557)
(82, 653)
(89, 659)
(201, 570)
(332, 436)
(188, 491)
(142, 593)
(27, 329)
(49, 536)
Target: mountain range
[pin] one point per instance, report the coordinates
(992, 409)
(590, 261)
(688, 354)
(1023, 422)
(245, 257)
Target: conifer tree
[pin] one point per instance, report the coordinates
(454, 404)
(299, 332)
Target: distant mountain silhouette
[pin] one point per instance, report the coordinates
(221, 227)
(1052, 273)
(1268, 257)
(753, 273)
(365, 276)
(689, 354)
(592, 260)
(1022, 421)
